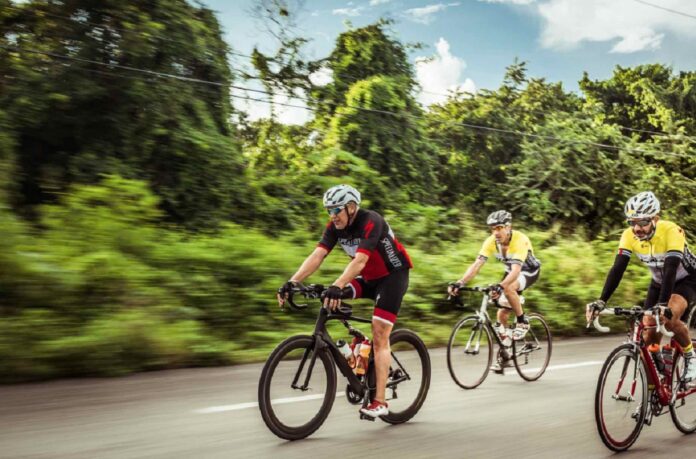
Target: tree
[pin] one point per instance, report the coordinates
(77, 113)
(574, 181)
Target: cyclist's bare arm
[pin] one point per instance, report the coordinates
(311, 264)
(308, 267)
(470, 273)
(353, 269)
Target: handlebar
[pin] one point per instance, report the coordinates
(313, 291)
(310, 292)
(485, 289)
(634, 312)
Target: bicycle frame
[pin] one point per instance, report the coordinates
(485, 319)
(663, 389)
(322, 340)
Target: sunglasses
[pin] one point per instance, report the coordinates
(335, 211)
(642, 222)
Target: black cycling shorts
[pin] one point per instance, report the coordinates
(526, 279)
(685, 287)
(387, 291)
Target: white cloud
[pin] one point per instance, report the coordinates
(321, 77)
(632, 26)
(353, 12)
(378, 2)
(441, 74)
(256, 109)
(426, 14)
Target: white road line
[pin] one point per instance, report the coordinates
(567, 366)
(277, 401)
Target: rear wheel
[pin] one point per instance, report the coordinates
(409, 376)
(469, 352)
(532, 353)
(683, 410)
(621, 399)
(296, 412)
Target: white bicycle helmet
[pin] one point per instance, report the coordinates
(642, 205)
(499, 217)
(340, 195)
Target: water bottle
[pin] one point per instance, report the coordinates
(363, 358)
(346, 351)
(657, 357)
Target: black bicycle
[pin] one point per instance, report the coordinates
(470, 347)
(295, 398)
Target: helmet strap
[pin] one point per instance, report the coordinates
(351, 217)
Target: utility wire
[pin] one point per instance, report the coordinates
(486, 129)
(347, 76)
(660, 7)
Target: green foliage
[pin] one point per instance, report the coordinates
(576, 182)
(394, 145)
(75, 122)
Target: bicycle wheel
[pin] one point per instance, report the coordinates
(532, 353)
(690, 320)
(621, 400)
(409, 376)
(683, 410)
(294, 413)
(469, 352)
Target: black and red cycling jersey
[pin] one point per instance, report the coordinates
(370, 234)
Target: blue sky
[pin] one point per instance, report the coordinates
(472, 41)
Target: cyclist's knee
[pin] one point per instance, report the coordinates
(380, 334)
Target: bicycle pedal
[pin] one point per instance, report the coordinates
(366, 417)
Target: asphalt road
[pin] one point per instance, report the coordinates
(212, 413)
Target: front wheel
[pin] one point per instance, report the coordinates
(297, 388)
(621, 400)
(409, 376)
(532, 353)
(469, 352)
(683, 410)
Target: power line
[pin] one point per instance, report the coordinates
(347, 76)
(482, 128)
(659, 7)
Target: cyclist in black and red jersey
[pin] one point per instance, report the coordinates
(378, 270)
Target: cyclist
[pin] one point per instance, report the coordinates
(379, 270)
(514, 249)
(661, 245)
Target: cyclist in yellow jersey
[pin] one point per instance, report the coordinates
(514, 249)
(661, 245)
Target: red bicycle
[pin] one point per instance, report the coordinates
(631, 390)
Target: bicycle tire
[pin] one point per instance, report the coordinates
(477, 329)
(522, 349)
(636, 416)
(407, 336)
(686, 423)
(268, 413)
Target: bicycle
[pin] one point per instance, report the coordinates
(470, 346)
(621, 410)
(282, 375)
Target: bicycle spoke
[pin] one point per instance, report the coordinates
(531, 355)
(620, 408)
(469, 352)
(683, 410)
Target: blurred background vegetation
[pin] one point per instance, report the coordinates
(145, 224)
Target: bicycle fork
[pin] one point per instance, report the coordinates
(630, 396)
(318, 345)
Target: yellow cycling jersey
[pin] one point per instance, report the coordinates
(519, 252)
(669, 240)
